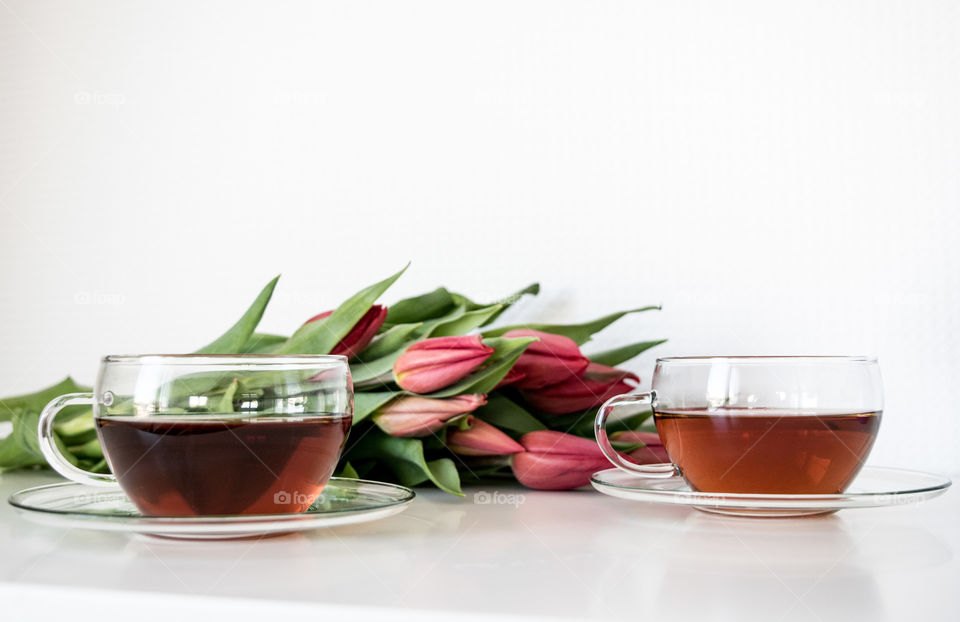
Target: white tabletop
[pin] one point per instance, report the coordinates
(568, 555)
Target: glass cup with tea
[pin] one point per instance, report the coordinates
(758, 424)
(202, 435)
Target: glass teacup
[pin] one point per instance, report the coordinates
(759, 424)
(199, 434)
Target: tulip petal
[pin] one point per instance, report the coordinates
(556, 461)
(435, 363)
(414, 416)
(481, 439)
(551, 359)
(653, 451)
(554, 471)
(598, 384)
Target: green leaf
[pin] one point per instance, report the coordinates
(405, 457)
(428, 327)
(506, 352)
(76, 428)
(466, 322)
(408, 473)
(381, 370)
(377, 371)
(100, 466)
(419, 308)
(366, 403)
(504, 413)
(15, 456)
(505, 303)
(614, 357)
(25, 432)
(225, 403)
(321, 336)
(21, 447)
(443, 473)
(233, 341)
(262, 343)
(348, 471)
(580, 333)
(36, 401)
(390, 341)
(581, 423)
(90, 450)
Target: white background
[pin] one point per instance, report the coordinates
(783, 177)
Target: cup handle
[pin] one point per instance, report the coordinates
(48, 442)
(600, 429)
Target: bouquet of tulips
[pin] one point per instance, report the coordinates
(440, 395)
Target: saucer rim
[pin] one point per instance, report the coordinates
(14, 500)
(694, 498)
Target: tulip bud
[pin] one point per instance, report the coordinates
(422, 416)
(598, 384)
(556, 461)
(512, 377)
(479, 438)
(362, 332)
(653, 451)
(552, 359)
(435, 363)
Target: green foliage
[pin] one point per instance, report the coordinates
(321, 336)
(616, 356)
(410, 461)
(237, 336)
(580, 333)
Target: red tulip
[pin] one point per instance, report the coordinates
(556, 461)
(436, 363)
(481, 439)
(552, 359)
(422, 416)
(513, 376)
(362, 332)
(598, 384)
(653, 451)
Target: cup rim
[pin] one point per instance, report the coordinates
(770, 358)
(225, 359)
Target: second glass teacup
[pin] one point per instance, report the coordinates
(759, 424)
(200, 435)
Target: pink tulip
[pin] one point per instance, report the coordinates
(422, 416)
(362, 332)
(653, 451)
(480, 439)
(552, 359)
(598, 384)
(513, 376)
(556, 461)
(435, 363)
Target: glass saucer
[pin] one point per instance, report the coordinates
(343, 502)
(873, 487)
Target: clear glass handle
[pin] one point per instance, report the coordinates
(48, 442)
(600, 429)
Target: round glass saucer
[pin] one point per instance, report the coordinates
(343, 502)
(873, 487)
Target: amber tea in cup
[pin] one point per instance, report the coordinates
(202, 435)
(768, 425)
